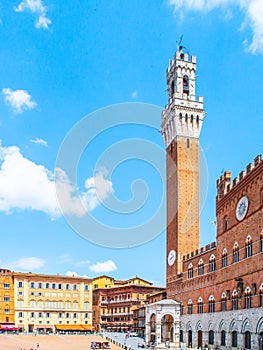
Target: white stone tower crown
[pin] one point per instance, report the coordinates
(184, 114)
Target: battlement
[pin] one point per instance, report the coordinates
(180, 56)
(199, 251)
(224, 184)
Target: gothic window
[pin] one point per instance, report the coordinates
(192, 118)
(224, 258)
(182, 308)
(172, 88)
(211, 337)
(212, 263)
(190, 307)
(185, 84)
(200, 306)
(247, 298)
(200, 267)
(223, 302)
(190, 271)
(180, 116)
(236, 253)
(234, 339)
(223, 338)
(261, 243)
(211, 304)
(190, 337)
(248, 247)
(247, 340)
(235, 300)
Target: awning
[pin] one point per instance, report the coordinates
(8, 327)
(74, 327)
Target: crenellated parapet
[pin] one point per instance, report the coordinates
(225, 184)
(200, 251)
(184, 113)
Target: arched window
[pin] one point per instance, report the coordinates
(247, 340)
(190, 271)
(211, 304)
(190, 307)
(223, 338)
(234, 339)
(223, 302)
(224, 258)
(261, 197)
(180, 116)
(248, 247)
(247, 298)
(261, 242)
(182, 308)
(190, 337)
(200, 306)
(211, 337)
(200, 267)
(236, 253)
(212, 263)
(185, 84)
(192, 118)
(235, 300)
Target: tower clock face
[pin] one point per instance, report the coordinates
(242, 208)
(171, 257)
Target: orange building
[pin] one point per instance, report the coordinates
(6, 299)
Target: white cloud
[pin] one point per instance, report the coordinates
(98, 189)
(252, 9)
(39, 142)
(36, 7)
(101, 267)
(27, 185)
(27, 264)
(134, 94)
(74, 274)
(19, 100)
(24, 184)
(83, 262)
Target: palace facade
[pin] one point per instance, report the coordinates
(114, 304)
(219, 286)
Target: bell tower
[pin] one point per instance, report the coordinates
(181, 126)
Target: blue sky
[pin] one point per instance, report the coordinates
(61, 61)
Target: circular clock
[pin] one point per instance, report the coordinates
(242, 207)
(171, 257)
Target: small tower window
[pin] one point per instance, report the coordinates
(186, 85)
(188, 143)
(172, 88)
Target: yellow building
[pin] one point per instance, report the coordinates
(6, 298)
(109, 282)
(49, 303)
